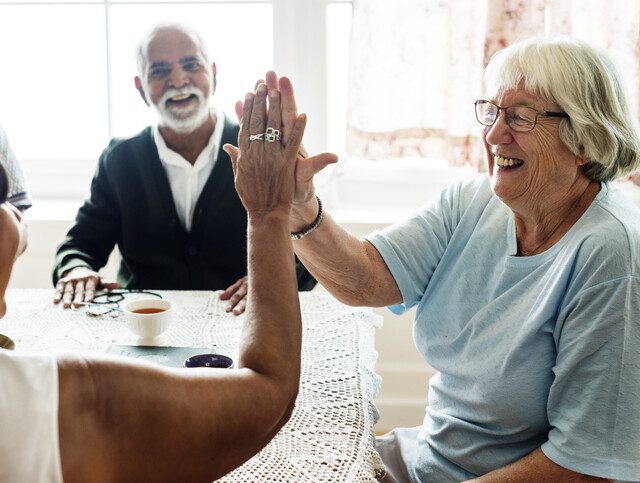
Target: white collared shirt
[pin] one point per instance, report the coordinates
(187, 180)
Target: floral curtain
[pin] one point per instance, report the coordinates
(416, 66)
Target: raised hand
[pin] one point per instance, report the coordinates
(306, 166)
(264, 166)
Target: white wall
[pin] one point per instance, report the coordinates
(34, 268)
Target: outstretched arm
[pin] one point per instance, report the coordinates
(348, 267)
(135, 422)
(536, 468)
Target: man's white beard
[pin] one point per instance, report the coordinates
(183, 120)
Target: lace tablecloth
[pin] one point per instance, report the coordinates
(330, 435)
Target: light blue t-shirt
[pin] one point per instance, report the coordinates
(539, 351)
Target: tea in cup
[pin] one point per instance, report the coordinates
(148, 318)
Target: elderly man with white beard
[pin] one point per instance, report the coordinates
(165, 196)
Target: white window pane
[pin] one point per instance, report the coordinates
(48, 2)
(239, 38)
(190, 1)
(53, 84)
(338, 37)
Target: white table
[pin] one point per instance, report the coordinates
(330, 435)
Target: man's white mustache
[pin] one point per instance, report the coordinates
(184, 91)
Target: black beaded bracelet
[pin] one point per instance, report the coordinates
(312, 226)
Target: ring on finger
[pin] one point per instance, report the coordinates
(256, 137)
(272, 135)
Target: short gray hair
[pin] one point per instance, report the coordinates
(141, 48)
(585, 83)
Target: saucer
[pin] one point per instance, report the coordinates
(6, 343)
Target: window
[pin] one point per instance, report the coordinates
(68, 66)
(338, 36)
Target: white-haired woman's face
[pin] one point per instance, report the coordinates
(528, 169)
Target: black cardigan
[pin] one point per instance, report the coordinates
(131, 205)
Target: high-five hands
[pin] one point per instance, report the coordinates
(265, 162)
(273, 105)
(306, 166)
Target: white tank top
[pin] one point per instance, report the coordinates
(29, 443)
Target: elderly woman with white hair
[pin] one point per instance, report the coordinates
(526, 281)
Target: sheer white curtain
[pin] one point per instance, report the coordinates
(416, 65)
(415, 69)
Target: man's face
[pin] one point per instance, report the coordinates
(177, 80)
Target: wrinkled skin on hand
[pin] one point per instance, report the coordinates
(236, 294)
(80, 285)
(306, 166)
(264, 171)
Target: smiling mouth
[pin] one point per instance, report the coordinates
(181, 99)
(508, 162)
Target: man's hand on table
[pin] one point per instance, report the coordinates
(79, 285)
(236, 294)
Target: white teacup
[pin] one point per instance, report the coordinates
(148, 318)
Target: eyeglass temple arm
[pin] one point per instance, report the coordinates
(556, 114)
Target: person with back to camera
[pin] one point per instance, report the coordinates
(17, 193)
(165, 196)
(526, 281)
(106, 419)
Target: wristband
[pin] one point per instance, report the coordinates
(316, 223)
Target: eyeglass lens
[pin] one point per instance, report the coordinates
(518, 118)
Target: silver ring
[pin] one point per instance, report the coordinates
(272, 135)
(256, 137)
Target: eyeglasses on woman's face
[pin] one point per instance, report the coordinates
(518, 118)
